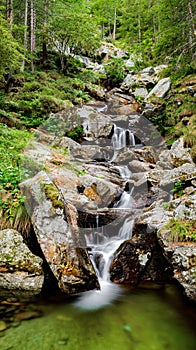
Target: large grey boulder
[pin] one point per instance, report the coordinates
(21, 273)
(161, 88)
(55, 225)
(137, 80)
(95, 124)
(179, 154)
(98, 190)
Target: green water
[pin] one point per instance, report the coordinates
(136, 320)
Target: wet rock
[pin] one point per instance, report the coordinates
(3, 326)
(26, 315)
(141, 259)
(102, 192)
(57, 232)
(20, 271)
(161, 88)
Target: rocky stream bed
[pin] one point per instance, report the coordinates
(116, 184)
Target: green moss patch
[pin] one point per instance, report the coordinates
(52, 194)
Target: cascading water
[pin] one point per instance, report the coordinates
(101, 256)
(102, 247)
(122, 138)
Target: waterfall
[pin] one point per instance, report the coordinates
(103, 246)
(101, 256)
(122, 138)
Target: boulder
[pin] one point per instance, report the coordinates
(55, 225)
(140, 92)
(98, 190)
(184, 263)
(161, 88)
(164, 178)
(21, 273)
(138, 80)
(136, 166)
(178, 154)
(95, 124)
(95, 91)
(141, 260)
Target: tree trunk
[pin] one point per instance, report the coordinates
(32, 37)
(44, 45)
(191, 26)
(9, 13)
(114, 29)
(25, 32)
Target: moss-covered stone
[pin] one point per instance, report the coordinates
(52, 194)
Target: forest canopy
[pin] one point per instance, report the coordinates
(155, 30)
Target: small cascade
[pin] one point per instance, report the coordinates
(122, 138)
(101, 256)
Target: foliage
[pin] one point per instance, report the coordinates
(12, 142)
(115, 71)
(76, 133)
(10, 49)
(181, 230)
(178, 189)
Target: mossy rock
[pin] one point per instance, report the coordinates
(53, 195)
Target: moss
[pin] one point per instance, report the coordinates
(52, 194)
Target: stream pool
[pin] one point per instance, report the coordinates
(139, 319)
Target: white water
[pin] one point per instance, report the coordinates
(104, 252)
(103, 248)
(122, 138)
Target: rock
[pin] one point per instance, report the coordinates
(21, 271)
(26, 315)
(136, 166)
(129, 63)
(184, 263)
(95, 124)
(128, 109)
(89, 152)
(140, 92)
(164, 178)
(159, 68)
(160, 89)
(185, 207)
(108, 50)
(178, 154)
(3, 326)
(155, 216)
(102, 192)
(57, 232)
(137, 80)
(148, 70)
(141, 259)
(96, 91)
